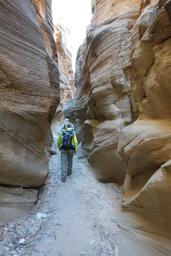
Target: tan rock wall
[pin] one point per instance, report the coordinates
(105, 11)
(123, 73)
(67, 81)
(123, 86)
(103, 84)
(29, 91)
(145, 145)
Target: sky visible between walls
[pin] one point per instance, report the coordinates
(75, 15)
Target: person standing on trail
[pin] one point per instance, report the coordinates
(67, 144)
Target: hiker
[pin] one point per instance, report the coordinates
(67, 144)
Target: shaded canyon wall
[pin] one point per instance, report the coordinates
(29, 95)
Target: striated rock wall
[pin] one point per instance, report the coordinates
(67, 83)
(123, 101)
(29, 94)
(145, 145)
(103, 84)
(66, 78)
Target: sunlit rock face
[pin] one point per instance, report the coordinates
(66, 78)
(29, 94)
(123, 98)
(67, 83)
(145, 144)
(103, 85)
(106, 11)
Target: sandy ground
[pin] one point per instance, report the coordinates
(76, 218)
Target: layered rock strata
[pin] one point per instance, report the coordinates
(145, 144)
(103, 86)
(29, 94)
(67, 84)
(66, 78)
(123, 100)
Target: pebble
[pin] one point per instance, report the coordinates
(22, 241)
(40, 216)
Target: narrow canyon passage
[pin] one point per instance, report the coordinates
(118, 101)
(76, 218)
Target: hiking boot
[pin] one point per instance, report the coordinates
(69, 173)
(63, 179)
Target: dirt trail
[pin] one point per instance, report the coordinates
(76, 218)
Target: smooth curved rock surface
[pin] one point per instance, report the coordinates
(103, 154)
(103, 86)
(124, 78)
(145, 145)
(29, 91)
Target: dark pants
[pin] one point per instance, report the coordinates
(66, 162)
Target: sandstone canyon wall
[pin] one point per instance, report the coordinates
(66, 78)
(67, 84)
(103, 86)
(123, 101)
(145, 144)
(29, 95)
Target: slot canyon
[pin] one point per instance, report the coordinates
(116, 203)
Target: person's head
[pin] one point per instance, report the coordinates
(66, 120)
(65, 127)
(69, 126)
